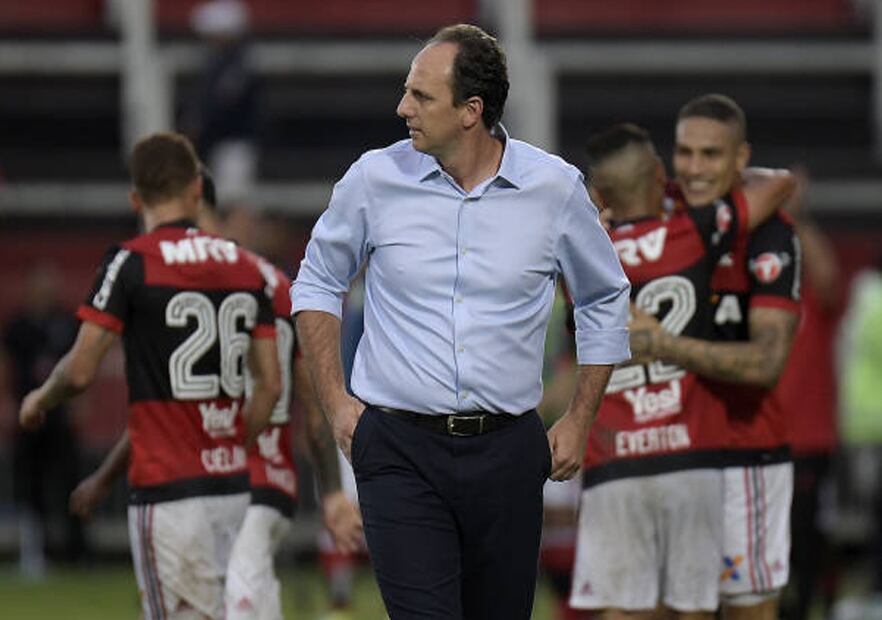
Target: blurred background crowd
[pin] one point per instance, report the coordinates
(281, 95)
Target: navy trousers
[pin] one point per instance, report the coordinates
(452, 523)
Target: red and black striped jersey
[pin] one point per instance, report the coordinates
(657, 417)
(762, 271)
(271, 467)
(187, 305)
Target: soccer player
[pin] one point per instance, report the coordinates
(252, 588)
(755, 316)
(651, 514)
(192, 311)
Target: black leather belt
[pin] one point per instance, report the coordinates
(464, 424)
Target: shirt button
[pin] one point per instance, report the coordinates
(460, 349)
(465, 394)
(458, 299)
(464, 251)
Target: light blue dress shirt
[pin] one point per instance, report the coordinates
(459, 285)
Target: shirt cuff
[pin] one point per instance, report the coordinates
(104, 319)
(606, 346)
(305, 297)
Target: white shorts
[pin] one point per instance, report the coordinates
(253, 591)
(347, 477)
(649, 540)
(564, 494)
(756, 544)
(180, 550)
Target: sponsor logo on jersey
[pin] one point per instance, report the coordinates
(198, 249)
(219, 421)
(224, 459)
(268, 445)
(245, 604)
(648, 248)
(726, 260)
(768, 266)
(653, 439)
(649, 406)
(103, 295)
(282, 478)
(730, 568)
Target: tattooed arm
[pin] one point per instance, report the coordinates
(758, 361)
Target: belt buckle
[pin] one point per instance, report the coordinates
(452, 423)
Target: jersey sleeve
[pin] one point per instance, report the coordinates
(109, 301)
(265, 326)
(721, 224)
(773, 265)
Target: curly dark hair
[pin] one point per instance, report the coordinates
(479, 69)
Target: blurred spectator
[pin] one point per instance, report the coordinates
(808, 394)
(861, 397)
(223, 118)
(45, 461)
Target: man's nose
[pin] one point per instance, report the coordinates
(404, 108)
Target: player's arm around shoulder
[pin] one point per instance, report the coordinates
(766, 190)
(71, 376)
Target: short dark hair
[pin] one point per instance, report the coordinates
(627, 180)
(479, 69)
(612, 140)
(162, 165)
(716, 107)
(209, 191)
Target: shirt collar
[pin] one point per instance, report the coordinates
(508, 170)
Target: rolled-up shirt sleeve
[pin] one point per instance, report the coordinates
(597, 284)
(336, 248)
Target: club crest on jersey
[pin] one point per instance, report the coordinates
(724, 217)
(198, 249)
(723, 220)
(767, 267)
(219, 421)
(648, 248)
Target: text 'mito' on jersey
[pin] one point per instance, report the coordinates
(187, 305)
(657, 418)
(271, 467)
(762, 271)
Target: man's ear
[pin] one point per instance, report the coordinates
(472, 110)
(135, 201)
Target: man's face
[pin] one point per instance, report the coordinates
(709, 156)
(427, 103)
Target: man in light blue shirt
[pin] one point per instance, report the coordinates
(465, 232)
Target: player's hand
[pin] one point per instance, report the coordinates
(343, 519)
(31, 415)
(90, 492)
(644, 330)
(346, 414)
(567, 439)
